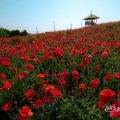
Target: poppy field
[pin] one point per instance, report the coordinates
(62, 75)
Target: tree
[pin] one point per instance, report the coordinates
(24, 32)
(15, 33)
(7, 33)
(4, 32)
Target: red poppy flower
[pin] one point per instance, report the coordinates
(7, 106)
(25, 58)
(2, 76)
(64, 73)
(95, 52)
(75, 72)
(86, 61)
(22, 75)
(30, 94)
(29, 66)
(53, 75)
(101, 105)
(82, 86)
(57, 52)
(25, 72)
(5, 63)
(108, 77)
(56, 93)
(47, 55)
(24, 113)
(40, 76)
(94, 83)
(38, 103)
(49, 87)
(75, 75)
(47, 99)
(97, 67)
(107, 95)
(33, 55)
(62, 82)
(117, 75)
(7, 84)
(79, 52)
(36, 60)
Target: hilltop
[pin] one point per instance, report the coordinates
(62, 75)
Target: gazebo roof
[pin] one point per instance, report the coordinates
(91, 17)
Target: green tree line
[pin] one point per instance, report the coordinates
(8, 33)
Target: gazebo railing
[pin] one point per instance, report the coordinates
(90, 22)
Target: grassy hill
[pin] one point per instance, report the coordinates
(63, 75)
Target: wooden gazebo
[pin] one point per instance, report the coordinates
(91, 20)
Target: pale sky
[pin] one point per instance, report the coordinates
(27, 14)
